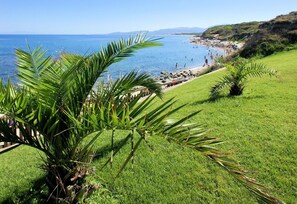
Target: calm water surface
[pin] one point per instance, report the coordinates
(175, 49)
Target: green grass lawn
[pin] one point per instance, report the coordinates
(19, 171)
(260, 126)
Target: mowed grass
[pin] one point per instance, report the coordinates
(260, 127)
(19, 171)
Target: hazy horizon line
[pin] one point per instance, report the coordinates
(134, 31)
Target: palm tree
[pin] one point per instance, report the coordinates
(58, 113)
(237, 75)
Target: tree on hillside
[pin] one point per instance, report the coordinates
(237, 76)
(58, 113)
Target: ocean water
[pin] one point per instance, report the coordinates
(175, 49)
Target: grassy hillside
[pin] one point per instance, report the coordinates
(238, 32)
(272, 36)
(260, 126)
(261, 38)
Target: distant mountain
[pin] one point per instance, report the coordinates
(168, 31)
(181, 30)
(127, 33)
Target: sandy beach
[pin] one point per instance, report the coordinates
(228, 46)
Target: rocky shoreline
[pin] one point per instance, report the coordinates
(170, 79)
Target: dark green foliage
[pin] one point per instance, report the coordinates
(236, 89)
(264, 44)
(262, 38)
(238, 32)
(273, 36)
(238, 73)
(54, 113)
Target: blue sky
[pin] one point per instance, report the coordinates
(105, 16)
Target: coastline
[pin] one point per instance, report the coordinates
(146, 94)
(172, 80)
(227, 46)
(168, 79)
(208, 73)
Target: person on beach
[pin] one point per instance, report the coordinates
(176, 65)
(206, 62)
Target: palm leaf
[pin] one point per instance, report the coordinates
(78, 80)
(236, 76)
(199, 141)
(31, 65)
(223, 83)
(258, 70)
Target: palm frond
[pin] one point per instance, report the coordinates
(78, 80)
(223, 83)
(236, 76)
(31, 65)
(258, 70)
(125, 88)
(194, 137)
(155, 122)
(39, 74)
(125, 84)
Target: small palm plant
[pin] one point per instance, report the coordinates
(237, 75)
(58, 113)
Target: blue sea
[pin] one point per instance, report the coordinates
(175, 50)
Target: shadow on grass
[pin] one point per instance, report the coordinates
(37, 194)
(217, 99)
(254, 97)
(105, 150)
(209, 100)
